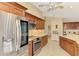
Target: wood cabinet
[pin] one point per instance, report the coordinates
(16, 11)
(69, 46)
(40, 24)
(4, 7)
(12, 7)
(30, 17)
(44, 41)
(71, 25)
(30, 48)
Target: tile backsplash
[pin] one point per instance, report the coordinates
(67, 32)
(36, 32)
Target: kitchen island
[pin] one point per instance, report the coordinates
(70, 44)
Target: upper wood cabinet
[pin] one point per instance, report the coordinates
(30, 17)
(12, 7)
(4, 7)
(71, 25)
(38, 21)
(40, 24)
(17, 11)
(44, 41)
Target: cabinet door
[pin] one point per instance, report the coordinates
(71, 25)
(71, 49)
(30, 17)
(44, 41)
(30, 48)
(39, 24)
(43, 24)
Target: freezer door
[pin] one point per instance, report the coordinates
(3, 23)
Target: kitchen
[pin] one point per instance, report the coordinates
(25, 31)
(12, 16)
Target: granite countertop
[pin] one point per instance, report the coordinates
(73, 37)
(34, 37)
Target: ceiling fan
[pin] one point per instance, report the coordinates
(53, 5)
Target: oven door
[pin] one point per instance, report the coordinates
(36, 46)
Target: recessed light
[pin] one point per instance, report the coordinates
(70, 6)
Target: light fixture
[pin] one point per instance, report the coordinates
(70, 6)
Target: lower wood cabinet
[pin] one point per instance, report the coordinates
(69, 46)
(30, 48)
(44, 41)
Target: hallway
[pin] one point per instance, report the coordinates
(52, 49)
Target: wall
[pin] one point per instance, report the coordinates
(47, 23)
(32, 9)
(70, 20)
(53, 21)
(37, 33)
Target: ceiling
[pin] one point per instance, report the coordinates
(70, 10)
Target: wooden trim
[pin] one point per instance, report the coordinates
(18, 5)
(34, 16)
(14, 4)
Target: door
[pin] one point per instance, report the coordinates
(24, 33)
(49, 30)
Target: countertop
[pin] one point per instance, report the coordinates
(72, 37)
(34, 37)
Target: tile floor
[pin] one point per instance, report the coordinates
(22, 52)
(52, 49)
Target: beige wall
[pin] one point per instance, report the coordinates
(53, 21)
(70, 20)
(32, 9)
